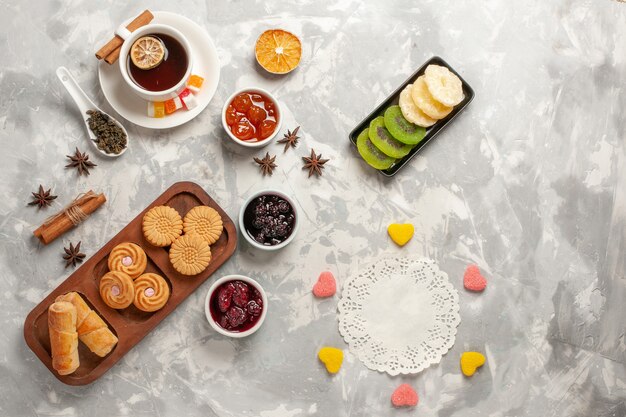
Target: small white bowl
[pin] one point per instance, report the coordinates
(244, 143)
(207, 306)
(253, 242)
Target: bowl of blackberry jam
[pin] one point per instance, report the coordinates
(268, 220)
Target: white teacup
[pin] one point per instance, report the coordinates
(130, 38)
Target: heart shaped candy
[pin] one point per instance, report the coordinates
(470, 361)
(326, 286)
(404, 396)
(331, 357)
(401, 233)
(473, 280)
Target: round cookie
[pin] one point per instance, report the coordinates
(162, 225)
(425, 101)
(205, 222)
(151, 292)
(128, 258)
(117, 289)
(190, 255)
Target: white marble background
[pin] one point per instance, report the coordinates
(529, 183)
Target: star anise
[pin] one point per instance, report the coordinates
(42, 198)
(73, 255)
(290, 138)
(81, 162)
(314, 163)
(266, 164)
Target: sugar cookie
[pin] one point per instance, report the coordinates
(162, 225)
(190, 255)
(205, 222)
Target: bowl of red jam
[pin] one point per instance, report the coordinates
(251, 117)
(235, 306)
(268, 220)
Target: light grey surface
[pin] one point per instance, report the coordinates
(529, 183)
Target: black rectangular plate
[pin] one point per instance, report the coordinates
(432, 131)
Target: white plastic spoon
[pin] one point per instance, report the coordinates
(84, 103)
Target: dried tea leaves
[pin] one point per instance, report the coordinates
(110, 137)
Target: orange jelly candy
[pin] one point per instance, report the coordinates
(156, 109)
(172, 105)
(195, 83)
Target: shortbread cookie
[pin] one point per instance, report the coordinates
(190, 254)
(162, 225)
(151, 292)
(205, 222)
(129, 258)
(425, 101)
(117, 289)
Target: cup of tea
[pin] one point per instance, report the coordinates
(155, 61)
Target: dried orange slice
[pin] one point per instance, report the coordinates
(278, 51)
(147, 52)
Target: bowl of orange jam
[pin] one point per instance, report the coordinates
(251, 117)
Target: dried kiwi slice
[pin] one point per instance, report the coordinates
(382, 139)
(371, 154)
(401, 129)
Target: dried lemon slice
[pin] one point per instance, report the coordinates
(147, 52)
(425, 101)
(444, 85)
(278, 51)
(411, 112)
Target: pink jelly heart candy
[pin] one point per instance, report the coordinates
(326, 286)
(404, 396)
(473, 280)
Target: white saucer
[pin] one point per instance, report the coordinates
(206, 64)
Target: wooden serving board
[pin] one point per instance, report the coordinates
(130, 324)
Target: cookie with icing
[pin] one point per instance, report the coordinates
(151, 292)
(117, 289)
(128, 258)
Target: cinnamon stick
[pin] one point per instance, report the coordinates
(115, 43)
(63, 221)
(113, 56)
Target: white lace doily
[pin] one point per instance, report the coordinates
(399, 315)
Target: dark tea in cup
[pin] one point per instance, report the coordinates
(169, 64)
